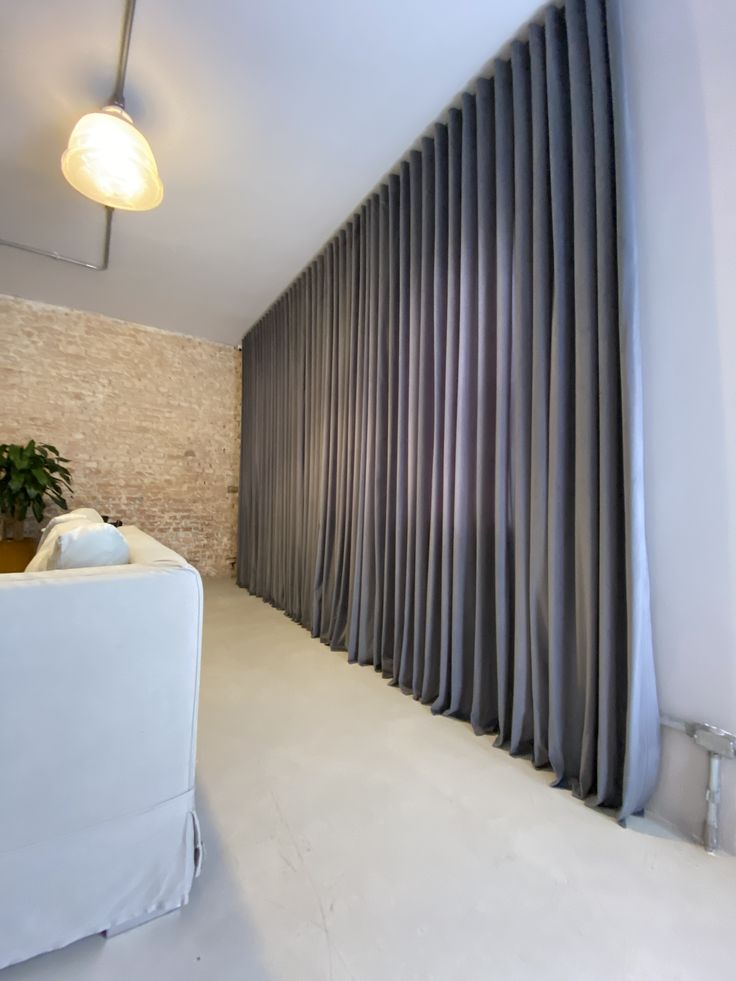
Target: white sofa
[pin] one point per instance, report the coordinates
(99, 680)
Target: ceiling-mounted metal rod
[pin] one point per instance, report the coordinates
(118, 93)
(97, 267)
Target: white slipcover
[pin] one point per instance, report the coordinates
(99, 680)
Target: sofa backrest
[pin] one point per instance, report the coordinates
(145, 550)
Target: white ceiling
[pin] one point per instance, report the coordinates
(270, 122)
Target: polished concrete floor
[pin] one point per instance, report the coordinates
(353, 835)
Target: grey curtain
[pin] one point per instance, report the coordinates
(441, 454)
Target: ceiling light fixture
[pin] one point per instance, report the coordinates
(108, 160)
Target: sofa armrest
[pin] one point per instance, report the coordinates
(99, 680)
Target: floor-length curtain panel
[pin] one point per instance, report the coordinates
(441, 454)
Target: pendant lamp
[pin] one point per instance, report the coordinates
(107, 159)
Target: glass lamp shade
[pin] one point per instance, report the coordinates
(109, 161)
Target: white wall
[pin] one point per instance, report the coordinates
(682, 71)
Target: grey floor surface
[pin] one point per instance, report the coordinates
(352, 835)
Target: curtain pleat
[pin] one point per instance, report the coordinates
(451, 330)
(503, 581)
(424, 410)
(541, 333)
(484, 711)
(441, 450)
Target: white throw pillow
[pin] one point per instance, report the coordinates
(40, 561)
(80, 544)
(88, 514)
(89, 545)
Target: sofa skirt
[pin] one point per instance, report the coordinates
(128, 869)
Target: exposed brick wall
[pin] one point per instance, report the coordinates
(149, 419)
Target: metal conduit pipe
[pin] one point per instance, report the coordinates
(719, 745)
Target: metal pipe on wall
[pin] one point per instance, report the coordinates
(719, 745)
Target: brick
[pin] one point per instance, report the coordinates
(149, 419)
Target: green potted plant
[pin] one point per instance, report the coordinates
(31, 477)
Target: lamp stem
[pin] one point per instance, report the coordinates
(118, 96)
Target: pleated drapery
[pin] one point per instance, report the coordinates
(441, 452)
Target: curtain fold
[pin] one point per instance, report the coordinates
(442, 443)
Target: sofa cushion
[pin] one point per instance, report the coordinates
(80, 544)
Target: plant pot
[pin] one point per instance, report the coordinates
(13, 529)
